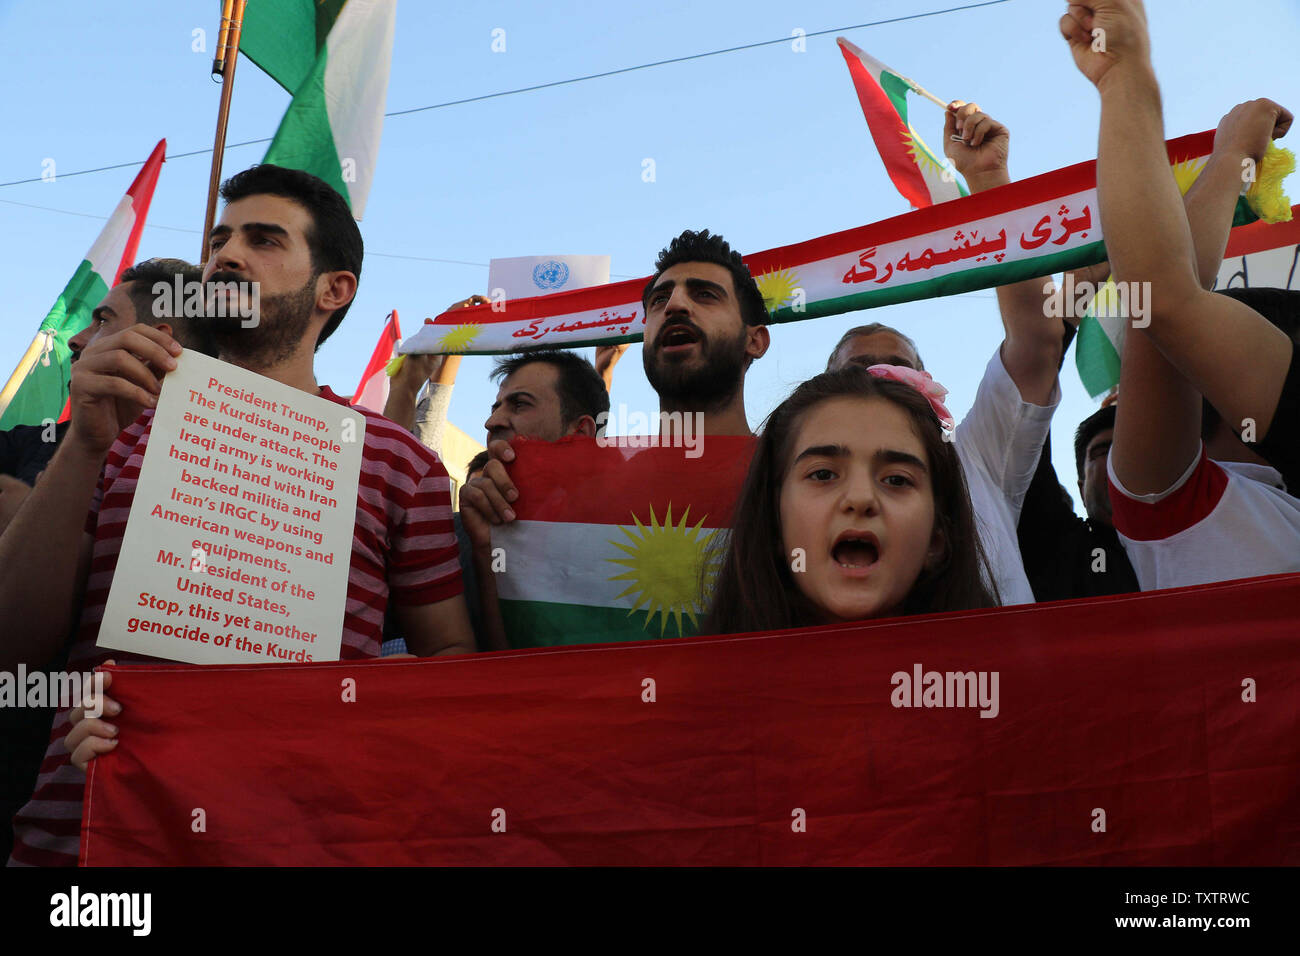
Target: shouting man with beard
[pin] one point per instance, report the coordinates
(294, 237)
(704, 326)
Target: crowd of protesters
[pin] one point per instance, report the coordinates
(897, 509)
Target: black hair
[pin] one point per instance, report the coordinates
(143, 276)
(704, 246)
(579, 385)
(1088, 429)
(333, 239)
(476, 463)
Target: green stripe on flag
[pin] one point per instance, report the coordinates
(305, 140)
(897, 92)
(284, 37)
(1095, 357)
(44, 391)
(549, 624)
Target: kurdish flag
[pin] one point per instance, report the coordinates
(637, 530)
(334, 57)
(38, 389)
(915, 169)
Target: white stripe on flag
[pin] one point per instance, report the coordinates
(106, 254)
(360, 50)
(533, 572)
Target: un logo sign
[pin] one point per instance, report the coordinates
(550, 274)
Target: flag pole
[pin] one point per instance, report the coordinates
(25, 365)
(227, 55)
(918, 89)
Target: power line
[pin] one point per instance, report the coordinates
(101, 169)
(692, 56)
(87, 215)
(555, 83)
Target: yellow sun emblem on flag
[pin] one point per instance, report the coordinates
(921, 154)
(1186, 172)
(665, 564)
(459, 338)
(777, 288)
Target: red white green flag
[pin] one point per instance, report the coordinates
(920, 174)
(38, 389)
(638, 525)
(1030, 228)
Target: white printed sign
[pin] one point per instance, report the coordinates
(527, 276)
(239, 541)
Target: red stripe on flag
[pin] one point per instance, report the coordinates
(888, 130)
(141, 193)
(576, 480)
(372, 392)
(1259, 236)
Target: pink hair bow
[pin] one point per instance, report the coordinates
(923, 383)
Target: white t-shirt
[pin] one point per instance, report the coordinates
(1221, 520)
(999, 442)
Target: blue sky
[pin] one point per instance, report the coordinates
(767, 146)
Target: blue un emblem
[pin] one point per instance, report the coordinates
(550, 274)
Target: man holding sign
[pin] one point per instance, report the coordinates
(286, 242)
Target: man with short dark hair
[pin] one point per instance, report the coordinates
(286, 241)
(705, 325)
(546, 394)
(332, 242)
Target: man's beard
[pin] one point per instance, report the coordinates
(697, 387)
(281, 326)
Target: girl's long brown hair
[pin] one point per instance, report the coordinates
(755, 588)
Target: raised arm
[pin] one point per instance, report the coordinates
(1239, 143)
(1228, 352)
(404, 389)
(1031, 350)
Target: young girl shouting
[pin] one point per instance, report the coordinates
(854, 507)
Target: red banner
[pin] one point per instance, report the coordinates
(1158, 728)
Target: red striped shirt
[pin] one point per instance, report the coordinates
(403, 547)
